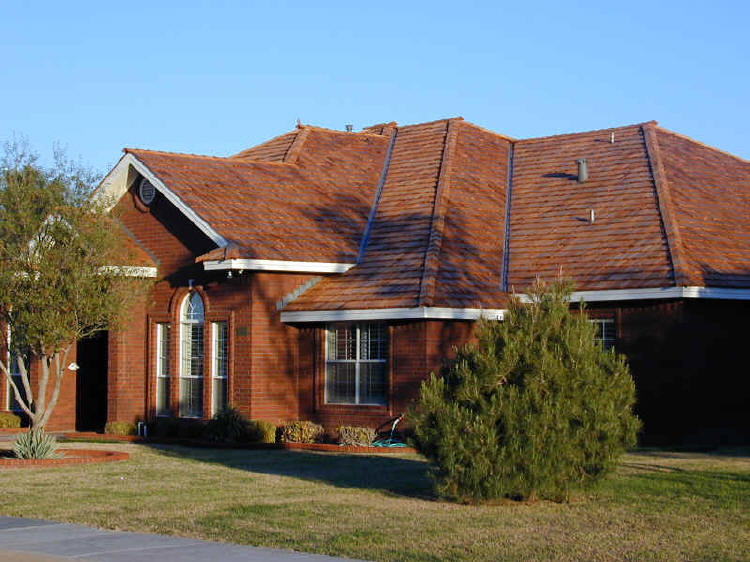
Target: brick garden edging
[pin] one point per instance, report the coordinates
(77, 456)
(321, 447)
(333, 448)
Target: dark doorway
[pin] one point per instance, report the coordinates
(91, 383)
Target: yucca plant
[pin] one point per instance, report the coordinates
(36, 444)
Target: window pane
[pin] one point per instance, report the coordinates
(372, 383)
(373, 341)
(191, 352)
(219, 393)
(191, 397)
(340, 383)
(605, 331)
(162, 369)
(219, 349)
(341, 342)
(162, 396)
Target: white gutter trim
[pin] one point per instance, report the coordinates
(114, 184)
(692, 292)
(422, 313)
(277, 265)
(131, 270)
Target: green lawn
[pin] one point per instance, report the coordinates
(660, 505)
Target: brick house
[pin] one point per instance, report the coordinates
(322, 274)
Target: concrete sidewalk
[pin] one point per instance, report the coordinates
(34, 540)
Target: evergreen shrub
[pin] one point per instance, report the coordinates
(227, 426)
(534, 408)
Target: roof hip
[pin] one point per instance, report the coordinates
(432, 252)
(664, 203)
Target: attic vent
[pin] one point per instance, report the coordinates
(349, 127)
(583, 170)
(146, 191)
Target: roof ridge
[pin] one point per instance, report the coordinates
(185, 154)
(230, 160)
(560, 135)
(664, 202)
(294, 150)
(442, 187)
(238, 156)
(443, 120)
(337, 131)
(490, 131)
(703, 144)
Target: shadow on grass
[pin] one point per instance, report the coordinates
(393, 475)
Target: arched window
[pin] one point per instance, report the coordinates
(191, 356)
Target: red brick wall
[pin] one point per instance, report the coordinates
(63, 416)
(263, 352)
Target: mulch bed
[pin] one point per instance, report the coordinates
(71, 456)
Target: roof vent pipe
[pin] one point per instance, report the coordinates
(583, 170)
(612, 138)
(592, 216)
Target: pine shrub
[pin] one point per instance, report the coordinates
(9, 421)
(36, 444)
(163, 427)
(301, 432)
(227, 426)
(534, 408)
(356, 436)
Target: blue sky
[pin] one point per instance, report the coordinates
(216, 77)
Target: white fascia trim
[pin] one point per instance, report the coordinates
(132, 270)
(657, 293)
(277, 265)
(423, 313)
(115, 184)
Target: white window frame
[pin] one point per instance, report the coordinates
(162, 371)
(215, 368)
(607, 343)
(182, 376)
(357, 361)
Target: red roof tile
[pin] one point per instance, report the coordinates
(668, 211)
(710, 206)
(313, 210)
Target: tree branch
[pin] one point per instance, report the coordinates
(16, 392)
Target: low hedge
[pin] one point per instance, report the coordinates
(9, 421)
(356, 436)
(260, 431)
(120, 428)
(300, 432)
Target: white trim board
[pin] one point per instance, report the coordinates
(132, 270)
(421, 313)
(657, 293)
(115, 184)
(277, 265)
